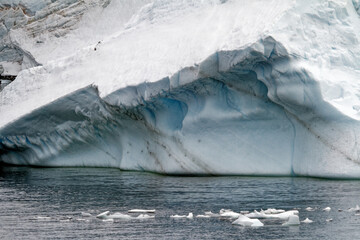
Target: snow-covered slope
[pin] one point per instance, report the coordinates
(192, 87)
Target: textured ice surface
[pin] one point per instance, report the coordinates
(190, 87)
(247, 222)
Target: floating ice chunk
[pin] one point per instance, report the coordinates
(203, 216)
(190, 216)
(118, 215)
(247, 222)
(310, 209)
(85, 214)
(64, 220)
(224, 210)
(211, 214)
(178, 216)
(355, 209)
(307, 220)
(229, 214)
(292, 221)
(256, 214)
(273, 211)
(142, 211)
(82, 220)
(108, 220)
(144, 216)
(103, 215)
(329, 220)
(283, 215)
(244, 212)
(327, 209)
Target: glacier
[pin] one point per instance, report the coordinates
(188, 87)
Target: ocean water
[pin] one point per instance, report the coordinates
(46, 203)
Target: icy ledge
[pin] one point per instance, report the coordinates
(251, 111)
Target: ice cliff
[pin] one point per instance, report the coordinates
(186, 87)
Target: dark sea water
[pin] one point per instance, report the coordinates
(63, 193)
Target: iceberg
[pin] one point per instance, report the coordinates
(247, 222)
(292, 221)
(190, 87)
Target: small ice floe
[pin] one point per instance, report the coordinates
(244, 212)
(108, 220)
(327, 209)
(310, 209)
(203, 216)
(178, 216)
(144, 216)
(355, 209)
(329, 220)
(255, 214)
(142, 211)
(118, 215)
(284, 215)
(307, 220)
(189, 216)
(65, 220)
(229, 214)
(273, 211)
(211, 214)
(85, 214)
(82, 220)
(103, 215)
(247, 222)
(292, 221)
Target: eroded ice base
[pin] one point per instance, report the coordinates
(251, 111)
